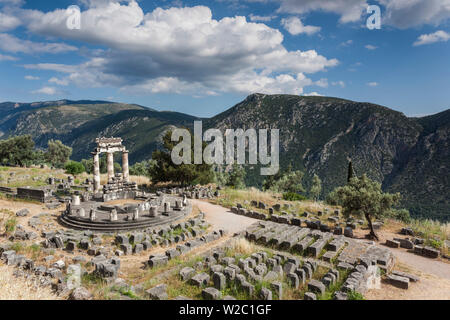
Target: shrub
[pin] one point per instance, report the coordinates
(74, 168)
(400, 214)
(10, 225)
(353, 295)
(437, 244)
(292, 196)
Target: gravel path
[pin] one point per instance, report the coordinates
(222, 218)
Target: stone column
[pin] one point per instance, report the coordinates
(110, 164)
(96, 173)
(76, 200)
(125, 167)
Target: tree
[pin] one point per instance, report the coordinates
(142, 168)
(316, 187)
(88, 165)
(117, 167)
(236, 177)
(74, 168)
(290, 182)
(270, 181)
(57, 153)
(364, 197)
(165, 170)
(221, 177)
(17, 150)
(351, 173)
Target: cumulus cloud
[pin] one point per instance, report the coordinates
(295, 26)
(313, 94)
(409, 13)
(179, 50)
(8, 22)
(397, 13)
(10, 43)
(370, 47)
(438, 36)
(372, 84)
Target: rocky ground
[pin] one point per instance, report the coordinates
(262, 269)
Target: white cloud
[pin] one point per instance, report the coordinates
(372, 84)
(10, 43)
(7, 58)
(8, 22)
(322, 83)
(31, 78)
(178, 50)
(51, 91)
(339, 83)
(313, 94)
(346, 43)
(295, 26)
(409, 13)
(59, 82)
(256, 18)
(398, 13)
(370, 47)
(349, 10)
(438, 36)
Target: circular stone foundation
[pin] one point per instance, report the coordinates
(125, 222)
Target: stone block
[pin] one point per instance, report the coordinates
(265, 294)
(219, 281)
(200, 280)
(399, 282)
(158, 261)
(392, 243)
(310, 296)
(187, 273)
(316, 287)
(211, 294)
(277, 288)
(158, 293)
(293, 280)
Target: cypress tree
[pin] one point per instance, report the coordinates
(351, 173)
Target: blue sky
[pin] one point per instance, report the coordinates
(202, 57)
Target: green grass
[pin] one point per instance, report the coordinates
(353, 295)
(10, 225)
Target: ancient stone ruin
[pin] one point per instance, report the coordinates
(93, 210)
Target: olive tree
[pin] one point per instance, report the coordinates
(316, 187)
(364, 197)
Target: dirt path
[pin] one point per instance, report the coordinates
(430, 266)
(222, 218)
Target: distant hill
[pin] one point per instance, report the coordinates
(318, 135)
(78, 123)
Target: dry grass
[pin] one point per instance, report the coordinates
(12, 288)
(230, 197)
(37, 177)
(33, 177)
(242, 246)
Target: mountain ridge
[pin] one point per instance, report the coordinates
(317, 135)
